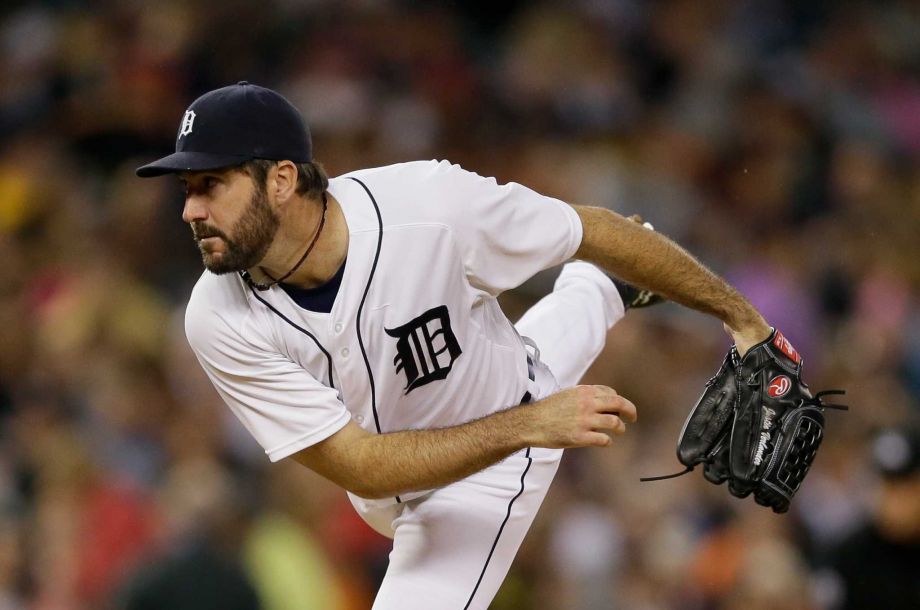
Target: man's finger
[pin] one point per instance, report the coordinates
(607, 422)
(598, 439)
(618, 406)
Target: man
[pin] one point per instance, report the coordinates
(876, 565)
(352, 324)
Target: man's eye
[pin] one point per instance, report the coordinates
(210, 183)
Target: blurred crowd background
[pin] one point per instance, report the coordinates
(777, 140)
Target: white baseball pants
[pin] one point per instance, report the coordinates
(453, 547)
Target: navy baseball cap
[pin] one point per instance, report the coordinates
(231, 125)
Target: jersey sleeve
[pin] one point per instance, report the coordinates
(278, 402)
(506, 233)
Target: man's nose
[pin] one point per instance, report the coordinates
(194, 210)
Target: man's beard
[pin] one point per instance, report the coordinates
(253, 234)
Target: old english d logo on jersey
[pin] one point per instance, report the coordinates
(426, 348)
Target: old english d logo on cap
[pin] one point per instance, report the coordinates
(187, 122)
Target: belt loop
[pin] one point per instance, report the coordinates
(531, 371)
(530, 343)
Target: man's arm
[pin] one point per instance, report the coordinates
(654, 262)
(383, 465)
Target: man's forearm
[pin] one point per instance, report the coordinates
(414, 460)
(382, 465)
(652, 261)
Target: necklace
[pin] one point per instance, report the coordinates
(260, 286)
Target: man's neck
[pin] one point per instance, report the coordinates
(328, 253)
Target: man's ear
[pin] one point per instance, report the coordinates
(283, 180)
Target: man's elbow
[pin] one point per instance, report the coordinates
(597, 225)
(355, 484)
(370, 492)
(374, 487)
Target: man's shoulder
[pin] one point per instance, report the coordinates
(420, 192)
(216, 301)
(400, 172)
(394, 188)
(218, 291)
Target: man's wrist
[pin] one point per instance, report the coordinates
(749, 334)
(518, 427)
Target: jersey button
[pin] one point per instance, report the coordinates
(344, 352)
(338, 327)
(359, 419)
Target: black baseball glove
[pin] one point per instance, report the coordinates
(757, 425)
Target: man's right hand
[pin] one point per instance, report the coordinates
(583, 416)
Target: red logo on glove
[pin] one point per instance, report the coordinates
(779, 385)
(784, 346)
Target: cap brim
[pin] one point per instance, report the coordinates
(189, 162)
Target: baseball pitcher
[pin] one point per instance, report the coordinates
(352, 324)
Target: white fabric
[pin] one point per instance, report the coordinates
(453, 547)
(570, 324)
(279, 403)
(450, 239)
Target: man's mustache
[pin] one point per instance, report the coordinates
(202, 231)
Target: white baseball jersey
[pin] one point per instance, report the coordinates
(415, 337)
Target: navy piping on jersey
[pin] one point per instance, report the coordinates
(367, 288)
(500, 530)
(301, 329)
(370, 373)
(526, 399)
